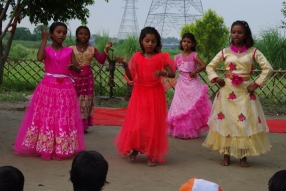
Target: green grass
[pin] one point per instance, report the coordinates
(273, 44)
(15, 91)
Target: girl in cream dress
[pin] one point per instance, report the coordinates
(237, 123)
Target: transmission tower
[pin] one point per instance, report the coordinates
(166, 15)
(129, 24)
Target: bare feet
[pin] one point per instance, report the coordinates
(226, 160)
(133, 155)
(243, 162)
(150, 163)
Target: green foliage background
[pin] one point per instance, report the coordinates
(210, 32)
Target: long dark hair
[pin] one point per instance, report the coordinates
(192, 38)
(248, 41)
(82, 27)
(150, 30)
(55, 24)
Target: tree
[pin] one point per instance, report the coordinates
(283, 10)
(211, 33)
(38, 11)
(22, 33)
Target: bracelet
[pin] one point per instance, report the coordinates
(125, 66)
(166, 74)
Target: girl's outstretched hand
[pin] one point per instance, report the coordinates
(220, 82)
(71, 67)
(107, 46)
(120, 59)
(77, 69)
(45, 34)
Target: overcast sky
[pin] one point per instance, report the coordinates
(260, 14)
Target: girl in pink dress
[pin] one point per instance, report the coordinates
(145, 129)
(52, 127)
(190, 108)
(84, 81)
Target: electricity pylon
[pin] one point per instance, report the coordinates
(166, 15)
(129, 24)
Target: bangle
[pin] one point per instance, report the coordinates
(125, 66)
(166, 74)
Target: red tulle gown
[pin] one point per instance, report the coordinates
(145, 128)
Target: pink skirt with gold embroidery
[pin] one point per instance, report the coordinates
(52, 126)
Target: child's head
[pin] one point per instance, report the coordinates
(241, 28)
(278, 181)
(150, 40)
(11, 178)
(59, 31)
(82, 34)
(89, 171)
(188, 42)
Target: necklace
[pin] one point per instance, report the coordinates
(82, 48)
(56, 50)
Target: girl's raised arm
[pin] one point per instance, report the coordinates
(201, 63)
(201, 68)
(120, 59)
(41, 52)
(210, 69)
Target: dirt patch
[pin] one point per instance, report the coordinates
(186, 159)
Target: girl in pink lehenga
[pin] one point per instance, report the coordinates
(84, 82)
(190, 108)
(52, 127)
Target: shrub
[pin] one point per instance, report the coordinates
(21, 51)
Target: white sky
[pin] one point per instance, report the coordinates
(260, 14)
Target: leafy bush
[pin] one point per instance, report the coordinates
(21, 51)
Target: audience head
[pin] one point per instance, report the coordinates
(88, 171)
(278, 181)
(11, 179)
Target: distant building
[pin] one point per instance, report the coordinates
(170, 46)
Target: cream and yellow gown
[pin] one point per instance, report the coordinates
(237, 123)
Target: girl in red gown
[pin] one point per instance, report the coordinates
(144, 128)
